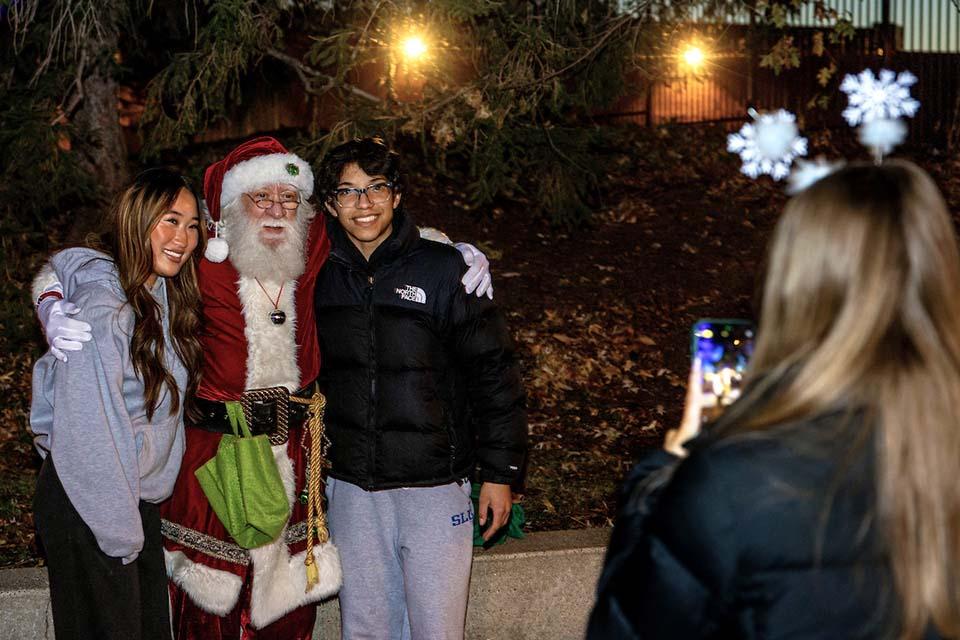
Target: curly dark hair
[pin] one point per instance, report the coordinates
(370, 154)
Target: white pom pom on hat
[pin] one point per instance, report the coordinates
(217, 250)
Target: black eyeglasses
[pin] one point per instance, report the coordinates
(376, 193)
(288, 200)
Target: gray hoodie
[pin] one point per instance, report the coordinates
(88, 413)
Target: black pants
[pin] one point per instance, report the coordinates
(93, 595)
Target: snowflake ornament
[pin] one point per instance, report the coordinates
(809, 171)
(886, 96)
(769, 144)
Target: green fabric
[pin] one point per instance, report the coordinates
(243, 485)
(513, 528)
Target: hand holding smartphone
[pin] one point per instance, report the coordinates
(723, 348)
(675, 439)
(720, 350)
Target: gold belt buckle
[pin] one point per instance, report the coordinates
(280, 396)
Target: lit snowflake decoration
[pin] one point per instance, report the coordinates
(883, 97)
(769, 144)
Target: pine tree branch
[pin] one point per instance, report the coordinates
(309, 76)
(546, 131)
(587, 54)
(442, 102)
(363, 34)
(537, 81)
(64, 109)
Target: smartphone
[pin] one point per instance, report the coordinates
(724, 347)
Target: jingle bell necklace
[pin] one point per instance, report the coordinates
(277, 316)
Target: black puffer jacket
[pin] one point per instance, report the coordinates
(762, 537)
(421, 379)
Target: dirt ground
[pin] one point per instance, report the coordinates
(601, 314)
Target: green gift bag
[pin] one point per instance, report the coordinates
(243, 485)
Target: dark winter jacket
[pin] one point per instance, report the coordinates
(421, 379)
(767, 536)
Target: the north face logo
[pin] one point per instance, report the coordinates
(411, 293)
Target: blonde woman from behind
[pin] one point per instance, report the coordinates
(824, 503)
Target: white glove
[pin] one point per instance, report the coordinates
(63, 333)
(477, 276)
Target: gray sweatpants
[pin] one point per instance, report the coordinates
(406, 556)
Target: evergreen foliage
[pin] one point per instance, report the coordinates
(200, 84)
(47, 51)
(504, 99)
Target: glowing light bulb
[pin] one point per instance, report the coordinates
(694, 57)
(414, 47)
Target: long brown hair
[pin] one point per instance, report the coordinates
(136, 212)
(861, 309)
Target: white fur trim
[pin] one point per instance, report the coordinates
(212, 590)
(279, 579)
(271, 348)
(285, 469)
(45, 281)
(265, 170)
(432, 233)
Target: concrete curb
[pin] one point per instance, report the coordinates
(538, 587)
(25, 602)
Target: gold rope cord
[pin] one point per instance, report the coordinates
(316, 460)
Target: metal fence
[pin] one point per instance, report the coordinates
(927, 25)
(920, 35)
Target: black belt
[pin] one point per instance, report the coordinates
(268, 411)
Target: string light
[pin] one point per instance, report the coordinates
(413, 47)
(694, 57)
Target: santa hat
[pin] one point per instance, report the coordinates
(253, 164)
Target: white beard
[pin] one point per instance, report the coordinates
(254, 259)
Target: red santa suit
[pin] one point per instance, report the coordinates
(219, 589)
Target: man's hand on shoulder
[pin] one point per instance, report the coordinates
(62, 332)
(477, 278)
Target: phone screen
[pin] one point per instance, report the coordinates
(724, 348)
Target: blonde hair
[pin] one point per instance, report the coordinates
(861, 309)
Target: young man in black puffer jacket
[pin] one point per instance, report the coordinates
(422, 388)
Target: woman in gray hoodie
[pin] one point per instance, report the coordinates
(109, 422)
